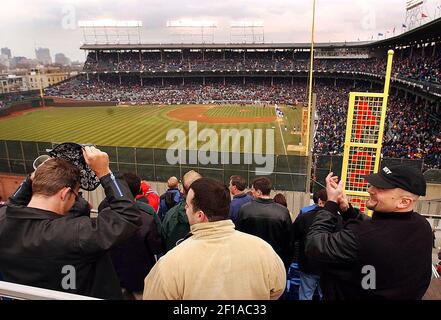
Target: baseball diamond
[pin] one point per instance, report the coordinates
(147, 126)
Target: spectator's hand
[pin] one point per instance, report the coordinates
(97, 160)
(334, 189)
(343, 202)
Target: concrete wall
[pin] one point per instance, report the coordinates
(433, 191)
(8, 184)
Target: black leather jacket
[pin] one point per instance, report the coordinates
(23, 195)
(269, 221)
(386, 257)
(37, 245)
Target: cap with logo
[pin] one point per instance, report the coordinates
(400, 176)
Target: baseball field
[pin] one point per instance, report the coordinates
(148, 126)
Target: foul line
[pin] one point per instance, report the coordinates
(283, 139)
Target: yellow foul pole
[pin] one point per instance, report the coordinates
(308, 148)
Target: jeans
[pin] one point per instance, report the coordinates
(308, 284)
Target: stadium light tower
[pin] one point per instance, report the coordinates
(193, 29)
(245, 29)
(111, 31)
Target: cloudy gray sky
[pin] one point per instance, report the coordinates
(25, 24)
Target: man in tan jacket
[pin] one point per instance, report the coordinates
(216, 261)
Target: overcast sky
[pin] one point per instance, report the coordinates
(25, 24)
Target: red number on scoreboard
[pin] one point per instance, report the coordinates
(364, 117)
(361, 203)
(360, 171)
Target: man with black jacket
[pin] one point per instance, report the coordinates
(309, 270)
(43, 246)
(387, 256)
(135, 257)
(270, 221)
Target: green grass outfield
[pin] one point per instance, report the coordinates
(137, 126)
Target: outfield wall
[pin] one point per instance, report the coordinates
(66, 102)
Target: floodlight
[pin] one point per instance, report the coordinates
(413, 4)
(110, 23)
(191, 23)
(247, 24)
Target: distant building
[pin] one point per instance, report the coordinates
(6, 51)
(44, 78)
(22, 62)
(12, 83)
(61, 59)
(43, 56)
(4, 61)
(76, 65)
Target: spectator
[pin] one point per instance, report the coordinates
(134, 258)
(309, 269)
(170, 198)
(216, 262)
(319, 197)
(267, 220)
(280, 199)
(175, 226)
(60, 240)
(140, 202)
(237, 187)
(386, 257)
(148, 195)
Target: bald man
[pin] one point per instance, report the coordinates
(173, 182)
(175, 225)
(170, 198)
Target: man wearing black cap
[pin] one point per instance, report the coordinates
(387, 256)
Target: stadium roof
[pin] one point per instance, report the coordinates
(428, 32)
(254, 46)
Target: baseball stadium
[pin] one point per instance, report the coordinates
(139, 92)
(291, 112)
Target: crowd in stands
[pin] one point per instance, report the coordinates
(6, 100)
(419, 68)
(410, 131)
(176, 94)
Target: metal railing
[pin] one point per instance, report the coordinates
(22, 292)
(434, 272)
